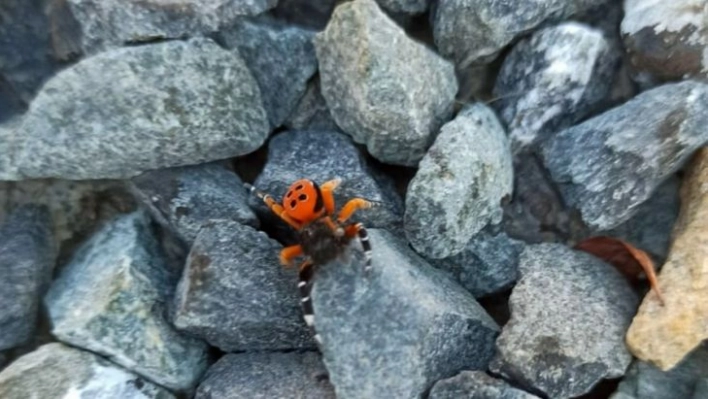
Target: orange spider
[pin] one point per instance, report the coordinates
(309, 209)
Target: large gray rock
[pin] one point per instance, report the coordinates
(383, 88)
(312, 112)
(112, 298)
(281, 58)
(459, 184)
(26, 60)
(59, 371)
(184, 198)
(26, 264)
(665, 40)
(553, 79)
(645, 381)
(265, 376)
(393, 332)
(322, 156)
(476, 385)
(475, 31)
(610, 164)
(235, 294)
(129, 110)
(570, 312)
(488, 264)
(9, 137)
(92, 26)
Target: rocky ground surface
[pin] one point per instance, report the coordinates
(492, 137)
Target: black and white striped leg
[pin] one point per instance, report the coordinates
(306, 271)
(366, 246)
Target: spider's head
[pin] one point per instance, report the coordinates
(303, 201)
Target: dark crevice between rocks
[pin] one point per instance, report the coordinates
(497, 306)
(401, 175)
(603, 390)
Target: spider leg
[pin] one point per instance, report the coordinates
(305, 273)
(273, 206)
(287, 254)
(327, 190)
(359, 230)
(352, 206)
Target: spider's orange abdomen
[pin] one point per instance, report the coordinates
(303, 201)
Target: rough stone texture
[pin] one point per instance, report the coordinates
(306, 13)
(322, 156)
(665, 40)
(125, 111)
(91, 26)
(235, 294)
(395, 331)
(476, 385)
(553, 79)
(312, 112)
(111, 299)
(665, 334)
(410, 7)
(645, 381)
(281, 58)
(489, 263)
(266, 376)
(9, 137)
(610, 164)
(383, 88)
(184, 198)
(10, 105)
(59, 371)
(474, 31)
(569, 314)
(25, 48)
(701, 390)
(26, 264)
(459, 184)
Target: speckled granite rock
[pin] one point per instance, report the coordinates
(312, 112)
(112, 298)
(9, 142)
(235, 295)
(459, 184)
(409, 7)
(188, 102)
(184, 198)
(265, 376)
(476, 385)
(553, 79)
(59, 371)
(384, 89)
(281, 58)
(610, 164)
(27, 257)
(569, 314)
(394, 332)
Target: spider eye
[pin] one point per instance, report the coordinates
(299, 187)
(302, 197)
(289, 194)
(293, 203)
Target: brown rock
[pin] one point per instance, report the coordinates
(664, 335)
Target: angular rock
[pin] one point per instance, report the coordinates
(26, 265)
(459, 184)
(312, 112)
(306, 13)
(9, 137)
(111, 299)
(281, 58)
(553, 79)
(58, 371)
(91, 26)
(476, 385)
(663, 334)
(187, 103)
(395, 331)
(383, 88)
(266, 375)
(488, 264)
(645, 381)
(235, 294)
(569, 314)
(25, 49)
(665, 40)
(184, 198)
(610, 164)
(475, 31)
(322, 156)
